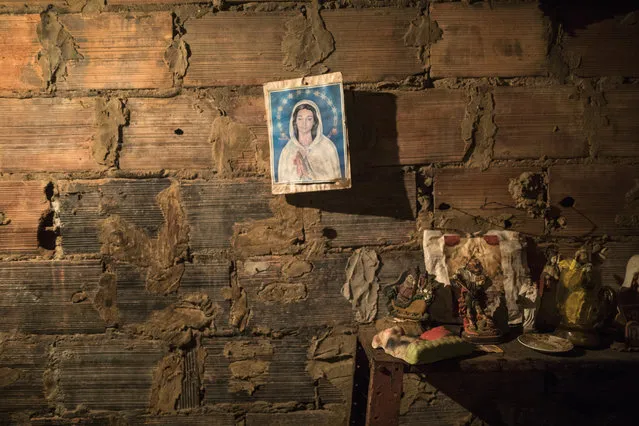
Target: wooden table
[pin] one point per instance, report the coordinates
(610, 376)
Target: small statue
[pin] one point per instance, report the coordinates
(411, 296)
(528, 301)
(550, 274)
(576, 280)
(548, 292)
(478, 324)
(628, 296)
(632, 271)
(584, 303)
(408, 301)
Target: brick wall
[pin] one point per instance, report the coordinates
(146, 271)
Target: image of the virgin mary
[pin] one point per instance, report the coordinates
(308, 156)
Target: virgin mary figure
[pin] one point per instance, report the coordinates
(308, 156)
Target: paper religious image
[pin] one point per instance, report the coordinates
(307, 134)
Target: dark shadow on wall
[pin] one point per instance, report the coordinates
(578, 14)
(375, 191)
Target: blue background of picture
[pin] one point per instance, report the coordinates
(332, 92)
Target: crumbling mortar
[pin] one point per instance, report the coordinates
(411, 83)
(58, 48)
(206, 175)
(560, 68)
(530, 192)
(178, 52)
(264, 7)
(422, 33)
(111, 115)
(51, 380)
(163, 258)
(478, 127)
(307, 42)
(592, 96)
(160, 93)
(24, 8)
(416, 82)
(4, 220)
(88, 6)
(330, 357)
(372, 4)
(469, 82)
(239, 313)
(241, 408)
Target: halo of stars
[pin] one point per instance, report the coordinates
(294, 96)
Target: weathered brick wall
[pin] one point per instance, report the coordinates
(146, 271)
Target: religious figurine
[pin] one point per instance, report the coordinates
(584, 303)
(408, 301)
(632, 271)
(628, 296)
(410, 297)
(528, 301)
(478, 324)
(550, 274)
(548, 291)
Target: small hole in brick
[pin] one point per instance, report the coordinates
(444, 206)
(178, 132)
(329, 233)
(567, 202)
(508, 224)
(48, 191)
(46, 236)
